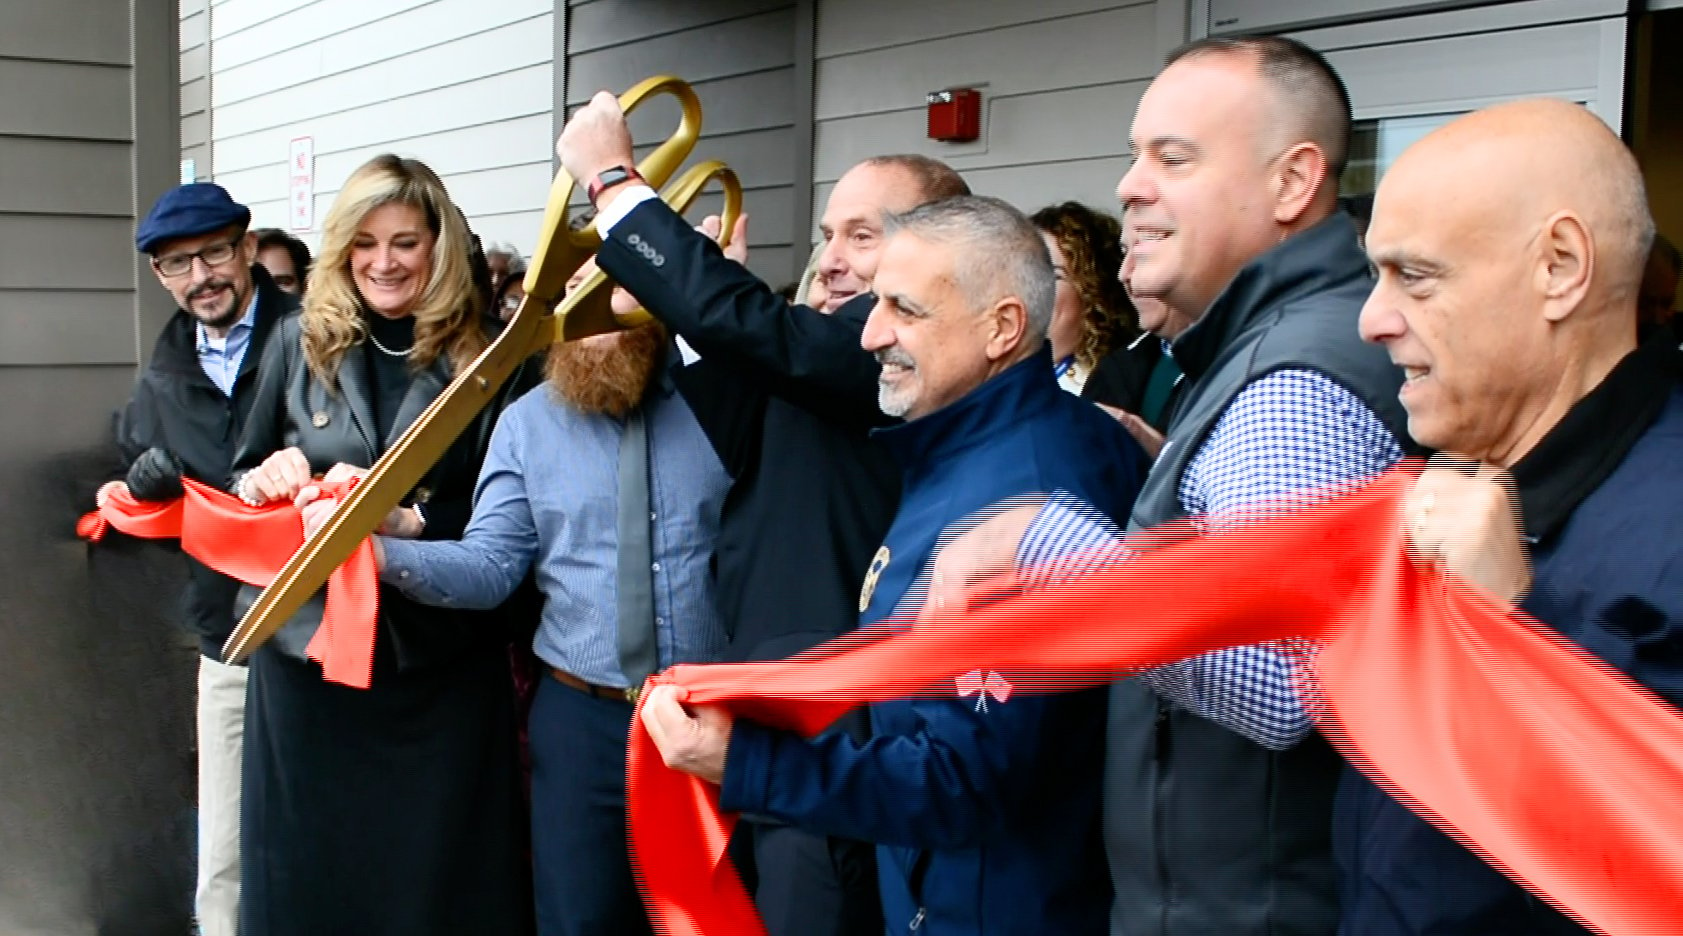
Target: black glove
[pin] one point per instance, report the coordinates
(155, 476)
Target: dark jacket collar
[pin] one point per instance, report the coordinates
(1019, 390)
(1324, 256)
(1578, 454)
(177, 350)
(425, 386)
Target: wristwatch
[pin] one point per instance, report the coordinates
(611, 177)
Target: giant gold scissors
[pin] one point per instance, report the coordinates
(584, 312)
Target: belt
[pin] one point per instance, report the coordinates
(594, 691)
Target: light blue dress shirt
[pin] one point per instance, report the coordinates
(221, 357)
(547, 495)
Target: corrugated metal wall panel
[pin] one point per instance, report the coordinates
(462, 85)
(1060, 80)
(96, 829)
(739, 56)
(194, 31)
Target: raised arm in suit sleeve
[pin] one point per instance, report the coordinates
(726, 312)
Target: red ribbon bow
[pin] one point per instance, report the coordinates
(1552, 766)
(252, 544)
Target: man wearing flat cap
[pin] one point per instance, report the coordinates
(182, 421)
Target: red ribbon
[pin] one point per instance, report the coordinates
(252, 544)
(1552, 766)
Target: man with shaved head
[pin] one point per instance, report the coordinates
(1510, 246)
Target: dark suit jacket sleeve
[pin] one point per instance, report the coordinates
(730, 410)
(727, 313)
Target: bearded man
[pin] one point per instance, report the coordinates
(604, 487)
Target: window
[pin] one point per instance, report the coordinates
(1376, 144)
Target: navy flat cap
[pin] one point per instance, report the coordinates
(188, 211)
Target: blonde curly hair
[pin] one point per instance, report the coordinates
(448, 311)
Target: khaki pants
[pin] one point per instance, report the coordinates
(221, 728)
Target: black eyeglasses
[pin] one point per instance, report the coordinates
(214, 256)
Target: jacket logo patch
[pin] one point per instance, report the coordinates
(976, 683)
(879, 562)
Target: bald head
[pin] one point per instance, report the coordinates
(1510, 246)
(1525, 163)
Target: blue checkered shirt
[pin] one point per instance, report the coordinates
(1290, 432)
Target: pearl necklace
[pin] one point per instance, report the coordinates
(387, 351)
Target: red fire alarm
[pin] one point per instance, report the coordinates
(955, 115)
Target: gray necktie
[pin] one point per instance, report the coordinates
(639, 655)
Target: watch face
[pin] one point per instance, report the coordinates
(608, 177)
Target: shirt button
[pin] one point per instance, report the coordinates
(653, 516)
(659, 621)
(404, 574)
(655, 567)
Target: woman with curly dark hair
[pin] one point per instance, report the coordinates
(1092, 315)
(1100, 352)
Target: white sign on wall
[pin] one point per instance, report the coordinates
(301, 175)
(189, 172)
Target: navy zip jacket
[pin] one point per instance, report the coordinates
(1605, 525)
(984, 804)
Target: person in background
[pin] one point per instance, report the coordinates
(817, 295)
(394, 810)
(505, 261)
(1360, 210)
(186, 413)
(285, 257)
(1656, 306)
(1093, 315)
(506, 298)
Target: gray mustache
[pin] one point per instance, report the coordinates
(896, 357)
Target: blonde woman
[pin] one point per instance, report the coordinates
(391, 810)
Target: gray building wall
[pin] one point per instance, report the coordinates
(1059, 78)
(464, 85)
(195, 86)
(96, 705)
(740, 57)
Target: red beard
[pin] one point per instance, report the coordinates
(607, 374)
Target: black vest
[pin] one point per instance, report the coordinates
(1208, 832)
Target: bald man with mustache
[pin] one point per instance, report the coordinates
(1510, 247)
